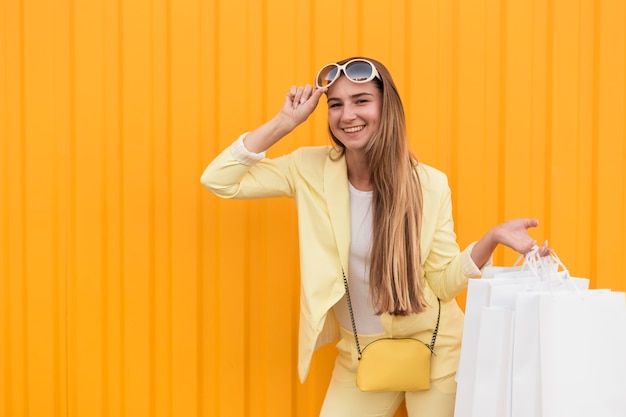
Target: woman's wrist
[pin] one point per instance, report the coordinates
(266, 135)
(484, 248)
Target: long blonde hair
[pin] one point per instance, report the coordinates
(395, 269)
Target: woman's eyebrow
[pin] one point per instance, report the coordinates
(353, 96)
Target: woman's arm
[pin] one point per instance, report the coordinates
(241, 171)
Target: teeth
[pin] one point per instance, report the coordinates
(353, 129)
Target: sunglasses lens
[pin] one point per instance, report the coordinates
(327, 75)
(359, 71)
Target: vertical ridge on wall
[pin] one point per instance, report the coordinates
(611, 139)
(105, 224)
(5, 385)
(158, 353)
(564, 122)
(121, 33)
(115, 390)
(14, 257)
(201, 270)
(542, 107)
(61, 81)
(501, 112)
(256, 60)
(594, 135)
(152, 278)
(516, 26)
(454, 33)
(5, 288)
(490, 81)
(210, 262)
(443, 87)
(254, 296)
(23, 208)
(210, 90)
(71, 204)
(106, 254)
(23, 284)
(407, 68)
(549, 116)
(585, 142)
(5, 237)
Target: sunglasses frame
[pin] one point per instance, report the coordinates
(343, 68)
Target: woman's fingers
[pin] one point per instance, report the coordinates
(301, 95)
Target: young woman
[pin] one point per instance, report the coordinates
(367, 209)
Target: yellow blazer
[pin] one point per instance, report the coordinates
(319, 185)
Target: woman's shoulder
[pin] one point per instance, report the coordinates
(431, 172)
(431, 177)
(312, 152)
(314, 156)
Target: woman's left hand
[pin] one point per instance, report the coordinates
(514, 234)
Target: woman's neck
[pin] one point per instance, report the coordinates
(358, 172)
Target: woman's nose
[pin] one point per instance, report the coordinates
(348, 113)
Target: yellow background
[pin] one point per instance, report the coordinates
(129, 291)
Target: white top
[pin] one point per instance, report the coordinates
(367, 322)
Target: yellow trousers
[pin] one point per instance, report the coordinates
(344, 399)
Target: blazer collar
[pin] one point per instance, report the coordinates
(338, 201)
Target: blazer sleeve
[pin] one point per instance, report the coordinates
(227, 176)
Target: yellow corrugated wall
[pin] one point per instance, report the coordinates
(129, 291)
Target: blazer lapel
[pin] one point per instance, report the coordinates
(338, 201)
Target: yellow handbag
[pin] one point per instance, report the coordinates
(393, 364)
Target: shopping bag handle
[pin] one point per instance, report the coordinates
(546, 268)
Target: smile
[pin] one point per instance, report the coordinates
(353, 129)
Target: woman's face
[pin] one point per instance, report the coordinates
(354, 112)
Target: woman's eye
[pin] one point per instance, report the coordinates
(334, 105)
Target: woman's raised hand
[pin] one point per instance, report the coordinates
(300, 102)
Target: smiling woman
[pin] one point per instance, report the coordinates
(405, 273)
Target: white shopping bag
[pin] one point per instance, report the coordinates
(526, 388)
(493, 363)
(477, 298)
(526, 378)
(582, 341)
(481, 293)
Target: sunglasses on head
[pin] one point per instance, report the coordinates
(356, 70)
